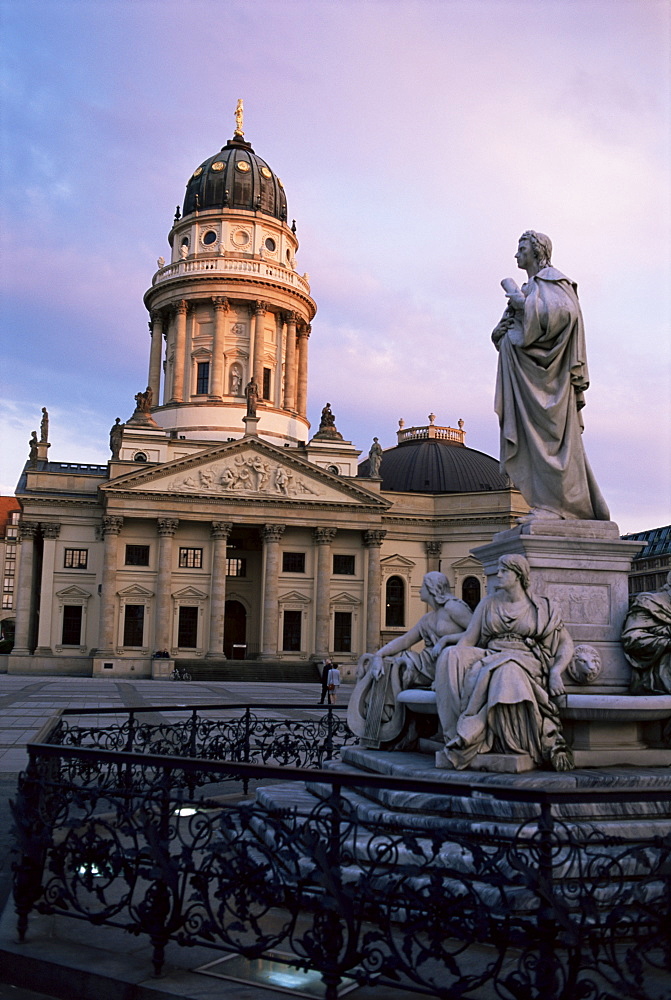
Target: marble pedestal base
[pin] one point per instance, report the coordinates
(497, 763)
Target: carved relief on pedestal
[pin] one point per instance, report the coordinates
(581, 605)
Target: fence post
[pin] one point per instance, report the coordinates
(34, 838)
(546, 970)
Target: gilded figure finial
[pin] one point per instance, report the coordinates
(238, 118)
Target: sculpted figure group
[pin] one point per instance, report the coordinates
(496, 673)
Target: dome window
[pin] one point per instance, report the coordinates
(241, 238)
(219, 165)
(271, 245)
(243, 166)
(266, 172)
(139, 456)
(198, 171)
(210, 237)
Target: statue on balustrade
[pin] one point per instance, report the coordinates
(373, 713)
(496, 689)
(540, 389)
(375, 459)
(646, 639)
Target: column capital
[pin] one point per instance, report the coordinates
(304, 331)
(50, 529)
(324, 536)
(156, 316)
(167, 525)
(272, 532)
(433, 549)
(220, 303)
(111, 524)
(221, 529)
(291, 317)
(260, 308)
(182, 307)
(373, 538)
(28, 530)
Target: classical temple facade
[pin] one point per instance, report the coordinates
(220, 528)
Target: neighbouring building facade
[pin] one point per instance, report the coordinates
(651, 567)
(219, 528)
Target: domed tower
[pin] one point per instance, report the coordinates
(230, 306)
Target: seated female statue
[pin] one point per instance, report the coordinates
(373, 713)
(495, 688)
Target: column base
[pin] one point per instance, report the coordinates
(44, 651)
(216, 656)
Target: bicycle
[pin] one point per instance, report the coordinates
(180, 674)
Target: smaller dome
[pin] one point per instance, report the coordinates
(235, 178)
(435, 460)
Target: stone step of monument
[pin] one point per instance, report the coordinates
(479, 805)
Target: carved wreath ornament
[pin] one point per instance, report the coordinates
(247, 475)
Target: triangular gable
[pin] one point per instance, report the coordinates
(344, 598)
(242, 470)
(135, 590)
(190, 592)
(73, 592)
(397, 561)
(468, 563)
(294, 598)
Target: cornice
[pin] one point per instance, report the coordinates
(184, 281)
(169, 500)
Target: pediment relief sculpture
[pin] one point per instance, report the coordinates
(246, 474)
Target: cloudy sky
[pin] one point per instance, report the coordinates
(416, 141)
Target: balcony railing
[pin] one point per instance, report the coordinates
(224, 265)
(121, 825)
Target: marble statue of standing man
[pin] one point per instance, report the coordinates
(541, 381)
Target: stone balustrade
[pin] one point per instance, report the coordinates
(224, 265)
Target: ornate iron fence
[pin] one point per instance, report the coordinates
(317, 867)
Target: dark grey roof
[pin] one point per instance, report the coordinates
(219, 183)
(657, 541)
(436, 466)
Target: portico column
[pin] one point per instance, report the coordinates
(272, 534)
(302, 391)
(166, 526)
(220, 531)
(24, 588)
(259, 321)
(290, 363)
(323, 538)
(217, 381)
(373, 542)
(433, 553)
(155, 356)
(50, 532)
(111, 529)
(181, 310)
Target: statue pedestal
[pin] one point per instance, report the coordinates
(583, 566)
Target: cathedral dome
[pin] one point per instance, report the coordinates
(235, 178)
(435, 460)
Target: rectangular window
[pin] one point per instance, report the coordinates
(72, 625)
(203, 378)
(343, 565)
(291, 631)
(76, 558)
(190, 558)
(342, 632)
(266, 383)
(187, 630)
(236, 567)
(137, 555)
(7, 602)
(293, 562)
(8, 587)
(133, 625)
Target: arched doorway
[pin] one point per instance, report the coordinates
(235, 630)
(470, 592)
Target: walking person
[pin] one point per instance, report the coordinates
(333, 682)
(328, 663)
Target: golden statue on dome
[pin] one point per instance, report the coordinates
(238, 118)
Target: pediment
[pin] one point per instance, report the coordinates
(243, 470)
(468, 562)
(189, 593)
(135, 590)
(294, 598)
(345, 599)
(397, 561)
(73, 592)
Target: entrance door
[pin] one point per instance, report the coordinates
(235, 631)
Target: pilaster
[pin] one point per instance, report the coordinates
(220, 532)
(323, 538)
(111, 529)
(373, 542)
(50, 532)
(166, 528)
(272, 535)
(24, 588)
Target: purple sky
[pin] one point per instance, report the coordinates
(416, 141)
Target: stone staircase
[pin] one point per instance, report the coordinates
(257, 671)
